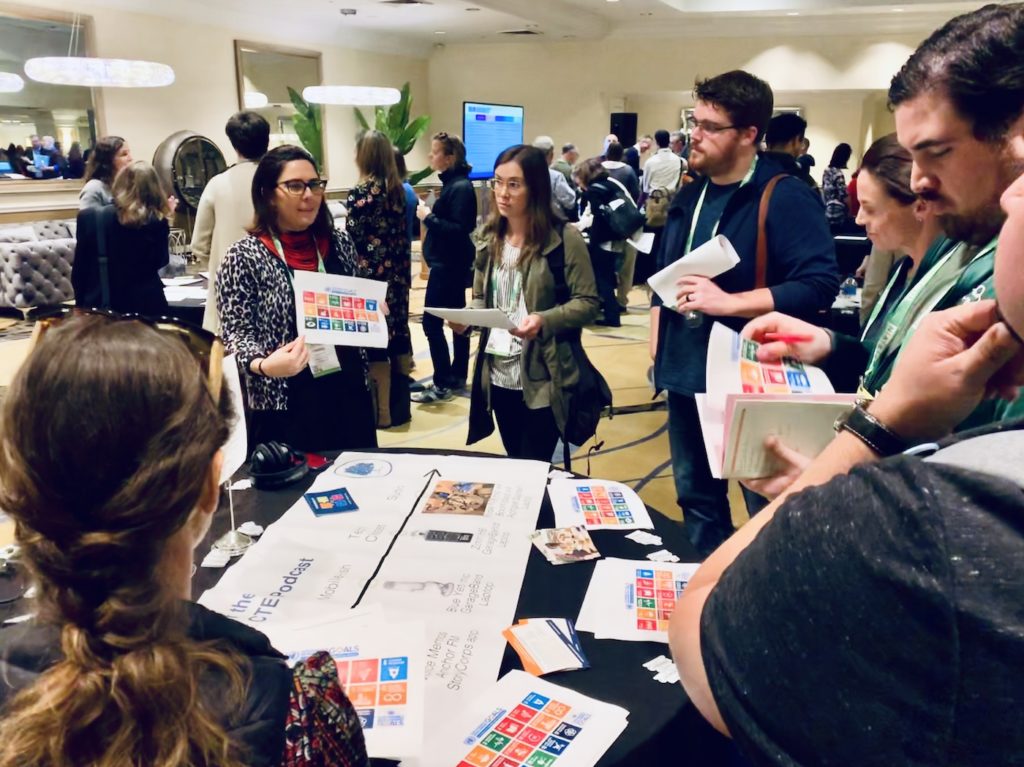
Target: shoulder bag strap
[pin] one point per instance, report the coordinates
(102, 224)
(761, 279)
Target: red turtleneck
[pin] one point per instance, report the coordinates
(299, 249)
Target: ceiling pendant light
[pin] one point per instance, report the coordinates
(96, 72)
(351, 95)
(10, 82)
(99, 73)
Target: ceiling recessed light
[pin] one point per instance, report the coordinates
(793, 13)
(897, 10)
(439, 32)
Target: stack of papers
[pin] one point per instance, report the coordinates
(547, 645)
(748, 401)
(565, 545)
(597, 504)
(711, 259)
(522, 720)
(633, 600)
(478, 318)
(185, 279)
(664, 669)
(645, 539)
(177, 293)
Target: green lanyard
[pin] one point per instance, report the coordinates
(287, 269)
(880, 302)
(700, 205)
(915, 303)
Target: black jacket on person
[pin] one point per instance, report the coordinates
(451, 222)
(793, 168)
(134, 258)
(258, 724)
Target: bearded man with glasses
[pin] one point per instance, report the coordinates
(799, 272)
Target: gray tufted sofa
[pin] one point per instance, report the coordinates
(36, 272)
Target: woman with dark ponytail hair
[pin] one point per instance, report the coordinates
(110, 458)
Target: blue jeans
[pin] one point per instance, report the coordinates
(703, 499)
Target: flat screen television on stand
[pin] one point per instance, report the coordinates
(488, 130)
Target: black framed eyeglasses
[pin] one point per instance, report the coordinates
(297, 188)
(205, 347)
(709, 128)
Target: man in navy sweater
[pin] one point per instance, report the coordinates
(730, 117)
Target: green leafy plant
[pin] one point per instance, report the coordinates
(308, 124)
(393, 122)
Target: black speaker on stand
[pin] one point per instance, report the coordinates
(623, 125)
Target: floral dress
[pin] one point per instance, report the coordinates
(378, 228)
(834, 189)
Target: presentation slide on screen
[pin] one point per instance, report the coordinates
(489, 129)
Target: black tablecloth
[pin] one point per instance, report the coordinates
(663, 727)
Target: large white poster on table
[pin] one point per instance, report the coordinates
(633, 600)
(381, 665)
(522, 720)
(442, 540)
(340, 311)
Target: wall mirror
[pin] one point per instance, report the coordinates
(63, 116)
(265, 73)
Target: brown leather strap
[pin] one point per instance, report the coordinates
(761, 273)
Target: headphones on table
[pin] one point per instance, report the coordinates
(275, 464)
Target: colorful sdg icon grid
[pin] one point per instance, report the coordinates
(323, 311)
(533, 734)
(600, 507)
(656, 595)
(378, 688)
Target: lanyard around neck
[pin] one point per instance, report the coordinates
(700, 204)
(280, 254)
(896, 320)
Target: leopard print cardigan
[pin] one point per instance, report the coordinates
(257, 308)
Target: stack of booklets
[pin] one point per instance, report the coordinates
(747, 401)
(547, 645)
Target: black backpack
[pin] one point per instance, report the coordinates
(591, 395)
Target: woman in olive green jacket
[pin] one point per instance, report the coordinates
(540, 275)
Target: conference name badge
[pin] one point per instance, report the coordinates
(323, 360)
(499, 343)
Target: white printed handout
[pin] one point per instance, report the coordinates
(480, 318)
(715, 256)
(633, 600)
(381, 665)
(748, 401)
(597, 504)
(340, 311)
(523, 720)
(438, 539)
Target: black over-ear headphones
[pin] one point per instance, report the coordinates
(275, 464)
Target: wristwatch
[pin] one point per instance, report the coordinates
(872, 432)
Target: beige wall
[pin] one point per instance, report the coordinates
(204, 93)
(569, 89)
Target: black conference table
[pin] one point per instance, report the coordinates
(664, 728)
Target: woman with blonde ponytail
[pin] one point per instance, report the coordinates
(110, 454)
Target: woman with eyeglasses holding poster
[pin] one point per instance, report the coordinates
(311, 397)
(539, 274)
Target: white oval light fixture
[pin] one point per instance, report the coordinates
(255, 99)
(351, 95)
(99, 73)
(10, 82)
